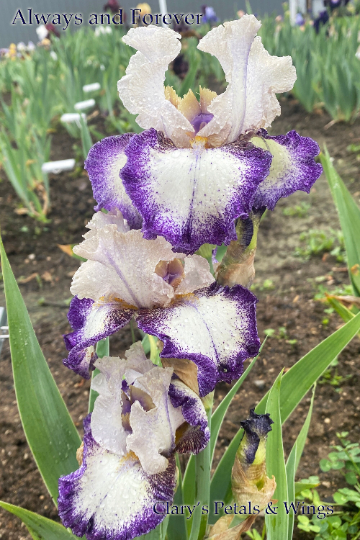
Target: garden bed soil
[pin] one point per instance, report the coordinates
(286, 301)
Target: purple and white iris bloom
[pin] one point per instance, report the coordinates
(197, 167)
(130, 440)
(171, 295)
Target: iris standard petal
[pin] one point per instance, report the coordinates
(254, 77)
(215, 328)
(106, 419)
(91, 323)
(192, 196)
(142, 88)
(197, 275)
(122, 265)
(103, 164)
(156, 426)
(293, 167)
(112, 497)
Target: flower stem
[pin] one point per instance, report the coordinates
(202, 489)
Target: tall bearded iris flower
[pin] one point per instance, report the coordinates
(172, 296)
(200, 165)
(127, 462)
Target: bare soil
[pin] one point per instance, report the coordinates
(287, 302)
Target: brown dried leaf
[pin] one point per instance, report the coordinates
(239, 273)
(29, 278)
(221, 531)
(21, 211)
(46, 276)
(66, 248)
(244, 486)
(80, 454)
(346, 300)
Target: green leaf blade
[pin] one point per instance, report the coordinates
(295, 384)
(276, 524)
(220, 412)
(349, 216)
(39, 527)
(49, 429)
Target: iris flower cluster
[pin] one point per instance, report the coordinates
(200, 173)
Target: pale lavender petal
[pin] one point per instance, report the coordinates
(192, 196)
(253, 76)
(91, 323)
(293, 166)
(215, 328)
(197, 275)
(153, 431)
(112, 498)
(197, 436)
(104, 162)
(122, 266)
(142, 88)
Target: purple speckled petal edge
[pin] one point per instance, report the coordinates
(226, 362)
(155, 165)
(103, 164)
(301, 175)
(159, 490)
(90, 326)
(197, 436)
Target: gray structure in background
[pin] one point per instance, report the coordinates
(19, 32)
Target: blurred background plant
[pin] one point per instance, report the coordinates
(39, 84)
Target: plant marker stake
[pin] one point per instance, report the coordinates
(71, 117)
(3, 320)
(293, 10)
(58, 166)
(91, 87)
(87, 104)
(163, 10)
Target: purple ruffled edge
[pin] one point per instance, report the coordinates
(136, 178)
(77, 346)
(208, 374)
(163, 485)
(197, 436)
(96, 165)
(302, 177)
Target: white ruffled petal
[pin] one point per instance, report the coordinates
(122, 266)
(100, 220)
(136, 363)
(157, 426)
(197, 275)
(253, 76)
(106, 419)
(142, 88)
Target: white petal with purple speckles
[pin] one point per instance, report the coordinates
(112, 497)
(193, 410)
(214, 327)
(142, 88)
(91, 322)
(191, 196)
(254, 77)
(103, 164)
(292, 168)
(122, 265)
